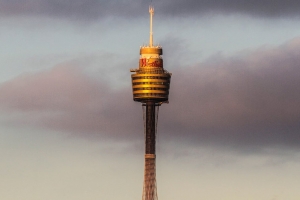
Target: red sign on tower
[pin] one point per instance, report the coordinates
(151, 62)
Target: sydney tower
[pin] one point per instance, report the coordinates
(150, 86)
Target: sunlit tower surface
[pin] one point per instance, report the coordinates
(150, 86)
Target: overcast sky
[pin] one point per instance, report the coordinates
(69, 128)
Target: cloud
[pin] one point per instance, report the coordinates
(66, 98)
(247, 101)
(250, 99)
(94, 9)
(254, 7)
(71, 9)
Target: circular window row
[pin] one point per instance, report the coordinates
(146, 88)
(150, 77)
(151, 94)
(151, 83)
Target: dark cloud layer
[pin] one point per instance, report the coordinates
(276, 8)
(250, 100)
(65, 98)
(72, 9)
(93, 9)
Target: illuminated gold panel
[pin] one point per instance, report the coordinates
(151, 87)
(151, 50)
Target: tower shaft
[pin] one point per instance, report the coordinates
(150, 128)
(149, 189)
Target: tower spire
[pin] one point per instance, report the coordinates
(151, 11)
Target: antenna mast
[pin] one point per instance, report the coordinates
(151, 11)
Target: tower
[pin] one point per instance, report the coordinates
(150, 86)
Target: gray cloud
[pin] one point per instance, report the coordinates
(65, 98)
(94, 9)
(251, 99)
(247, 101)
(277, 8)
(71, 9)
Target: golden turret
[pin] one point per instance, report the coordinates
(150, 81)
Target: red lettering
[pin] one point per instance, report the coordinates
(155, 64)
(144, 63)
